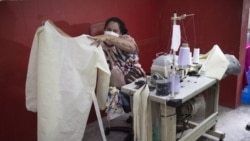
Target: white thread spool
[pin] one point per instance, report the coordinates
(190, 58)
(184, 55)
(196, 56)
(174, 84)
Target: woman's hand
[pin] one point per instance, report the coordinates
(98, 39)
(122, 43)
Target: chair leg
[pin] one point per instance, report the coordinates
(130, 137)
(130, 120)
(118, 128)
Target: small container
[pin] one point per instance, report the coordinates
(162, 87)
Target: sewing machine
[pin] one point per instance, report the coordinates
(188, 96)
(176, 107)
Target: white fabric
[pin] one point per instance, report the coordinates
(142, 120)
(111, 33)
(176, 37)
(216, 63)
(63, 74)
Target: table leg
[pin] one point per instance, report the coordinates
(212, 104)
(168, 123)
(212, 100)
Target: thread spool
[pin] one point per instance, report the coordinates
(190, 58)
(174, 78)
(184, 55)
(196, 55)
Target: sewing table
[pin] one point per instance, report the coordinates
(190, 87)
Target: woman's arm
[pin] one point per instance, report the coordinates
(122, 43)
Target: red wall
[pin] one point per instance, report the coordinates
(19, 21)
(148, 21)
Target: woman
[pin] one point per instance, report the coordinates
(121, 52)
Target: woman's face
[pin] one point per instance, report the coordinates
(113, 26)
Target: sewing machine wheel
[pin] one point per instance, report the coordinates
(186, 111)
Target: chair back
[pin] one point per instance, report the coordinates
(97, 28)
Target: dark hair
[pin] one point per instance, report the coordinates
(121, 24)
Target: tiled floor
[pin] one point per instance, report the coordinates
(232, 122)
